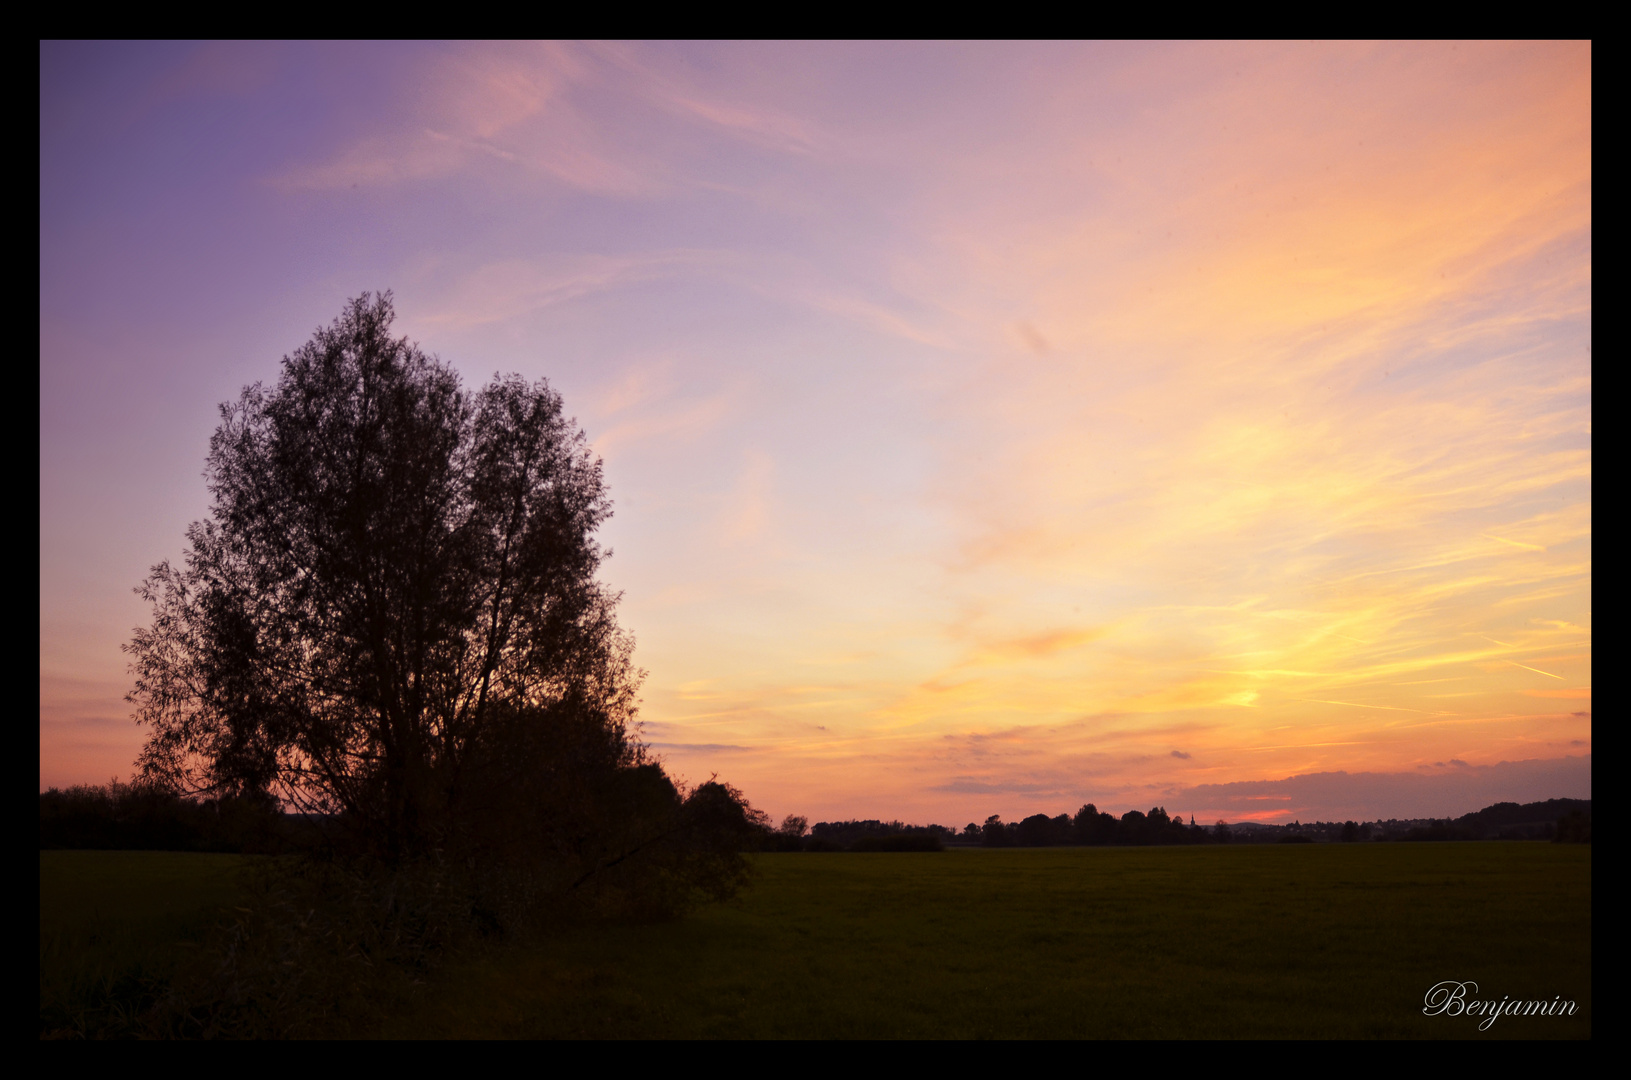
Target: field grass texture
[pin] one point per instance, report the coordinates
(1294, 941)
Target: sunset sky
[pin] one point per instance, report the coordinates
(992, 428)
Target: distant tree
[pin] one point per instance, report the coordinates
(1039, 830)
(701, 854)
(789, 836)
(995, 833)
(922, 840)
(150, 817)
(1530, 821)
(1092, 827)
(1221, 833)
(1134, 828)
(392, 615)
(1574, 828)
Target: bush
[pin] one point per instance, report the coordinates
(899, 842)
(148, 817)
(1573, 828)
(330, 944)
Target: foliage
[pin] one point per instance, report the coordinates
(391, 619)
(869, 835)
(1091, 827)
(1088, 827)
(1574, 828)
(899, 842)
(145, 816)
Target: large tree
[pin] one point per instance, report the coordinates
(393, 600)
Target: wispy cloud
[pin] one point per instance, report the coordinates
(503, 291)
(1000, 415)
(1458, 788)
(581, 115)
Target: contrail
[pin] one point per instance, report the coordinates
(1514, 543)
(1357, 705)
(1536, 670)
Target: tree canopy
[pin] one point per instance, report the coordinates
(391, 614)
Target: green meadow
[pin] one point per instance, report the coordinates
(114, 926)
(1282, 941)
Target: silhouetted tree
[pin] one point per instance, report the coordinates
(1092, 827)
(922, 840)
(391, 615)
(1163, 828)
(1134, 828)
(149, 817)
(1039, 830)
(1574, 828)
(789, 837)
(874, 835)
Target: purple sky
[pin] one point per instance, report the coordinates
(992, 427)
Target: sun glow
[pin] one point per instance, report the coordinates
(991, 428)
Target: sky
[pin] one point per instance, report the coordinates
(991, 428)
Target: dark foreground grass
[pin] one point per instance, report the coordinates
(1322, 941)
(114, 926)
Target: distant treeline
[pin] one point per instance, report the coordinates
(1563, 820)
(140, 817)
(873, 835)
(1090, 826)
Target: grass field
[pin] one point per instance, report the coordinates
(1323, 941)
(114, 924)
